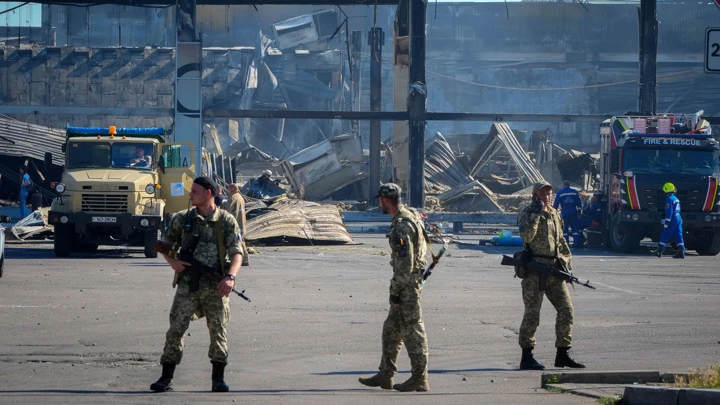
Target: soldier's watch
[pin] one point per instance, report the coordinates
(230, 276)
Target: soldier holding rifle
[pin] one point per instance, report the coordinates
(541, 230)
(200, 238)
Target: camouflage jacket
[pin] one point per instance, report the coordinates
(542, 232)
(206, 251)
(408, 242)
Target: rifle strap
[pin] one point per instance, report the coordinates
(220, 235)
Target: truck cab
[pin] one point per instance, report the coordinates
(117, 188)
(639, 155)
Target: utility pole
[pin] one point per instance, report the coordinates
(648, 28)
(355, 51)
(417, 103)
(376, 39)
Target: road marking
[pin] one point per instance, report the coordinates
(614, 288)
(29, 306)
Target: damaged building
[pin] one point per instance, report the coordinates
(298, 58)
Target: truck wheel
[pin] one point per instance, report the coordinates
(622, 237)
(709, 246)
(88, 247)
(62, 240)
(151, 238)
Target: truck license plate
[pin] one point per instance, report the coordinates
(104, 219)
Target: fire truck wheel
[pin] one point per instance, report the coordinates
(623, 238)
(709, 246)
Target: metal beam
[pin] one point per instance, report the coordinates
(376, 39)
(108, 111)
(647, 86)
(400, 116)
(417, 103)
(131, 3)
(317, 115)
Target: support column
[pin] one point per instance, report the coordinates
(188, 81)
(417, 103)
(376, 39)
(648, 27)
(355, 51)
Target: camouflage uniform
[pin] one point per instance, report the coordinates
(206, 300)
(404, 322)
(542, 232)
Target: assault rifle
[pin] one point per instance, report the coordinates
(196, 270)
(544, 271)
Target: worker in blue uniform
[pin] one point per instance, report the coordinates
(570, 204)
(672, 223)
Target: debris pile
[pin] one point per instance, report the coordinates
(297, 222)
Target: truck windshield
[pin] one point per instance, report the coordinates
(100, 155)
(88, 155)
(685, 161)
(132, 155)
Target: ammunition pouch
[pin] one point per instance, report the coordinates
(521, 270)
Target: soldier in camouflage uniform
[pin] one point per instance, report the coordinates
(211, 298)
(541, 230)
(404, 324)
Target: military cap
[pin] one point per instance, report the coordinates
(207, 183)
(389, 190)
(541, 184)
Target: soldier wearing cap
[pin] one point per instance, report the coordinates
(541, 230)
(196, 230)
(404, 324)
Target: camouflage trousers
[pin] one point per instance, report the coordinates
(186, 306)
(559, 296)
(404, 324)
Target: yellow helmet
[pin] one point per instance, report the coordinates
(669, 188)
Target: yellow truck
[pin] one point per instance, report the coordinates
(119, 187)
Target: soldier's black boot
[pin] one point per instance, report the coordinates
(218, 377)
(165, 381)
(528, 362)
(563, 359)
(679, 255)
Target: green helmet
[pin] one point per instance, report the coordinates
(669, 188)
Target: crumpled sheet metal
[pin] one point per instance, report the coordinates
(296, 221)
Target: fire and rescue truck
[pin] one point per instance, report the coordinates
(641, 153)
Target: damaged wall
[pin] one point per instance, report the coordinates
(477, 59)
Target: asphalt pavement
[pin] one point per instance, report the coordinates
(90, 329)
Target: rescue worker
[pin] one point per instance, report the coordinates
(198, 234)
(25, 185)
(404, 324)
(540, 230)
(672, 223)
(570, 204)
